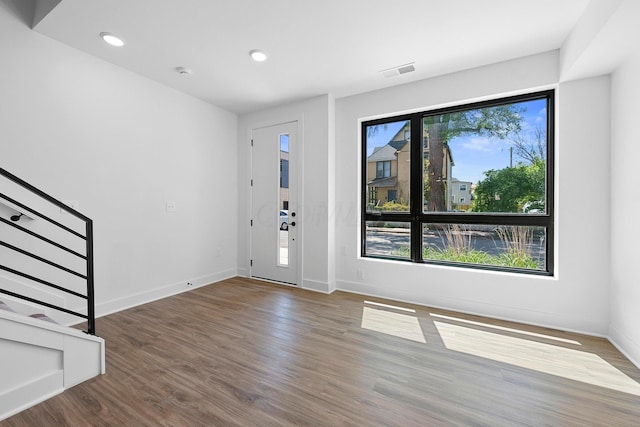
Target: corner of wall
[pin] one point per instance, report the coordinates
(625, 345)
(317, 286)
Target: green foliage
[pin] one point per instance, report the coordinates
(516, 259)
(458, 247)
(500, 122)
(426, 182)
(395, 207)
(451, 254)
(507, 259)
(515, 187)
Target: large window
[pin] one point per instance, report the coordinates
(475, 188)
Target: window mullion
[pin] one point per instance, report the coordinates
(364, 191)
(416, 187)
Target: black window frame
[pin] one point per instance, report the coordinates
(417, 218)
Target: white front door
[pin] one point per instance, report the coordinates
(274, 219)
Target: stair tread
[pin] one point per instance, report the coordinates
(42, 316)
(4, 306)
(39, 316)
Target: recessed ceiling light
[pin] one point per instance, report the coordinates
(184, 71)
(258, 55)
(112, 39)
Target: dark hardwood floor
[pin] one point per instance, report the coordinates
(247, 353)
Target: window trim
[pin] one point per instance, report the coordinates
(416, 217)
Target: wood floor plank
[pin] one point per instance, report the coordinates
(247, 353)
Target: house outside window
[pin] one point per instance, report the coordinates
(460, 195)
(284, 171)
(387, 170)
(455, 199)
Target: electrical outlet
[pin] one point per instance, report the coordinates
(360, 274)
(218, 252)
(189, 284)
(171, 207)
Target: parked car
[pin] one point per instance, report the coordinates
(533, 207)
(284, 220)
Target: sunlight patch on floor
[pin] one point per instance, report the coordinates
(550, 359)
(502, 328)
(392, 307)
(387, 320)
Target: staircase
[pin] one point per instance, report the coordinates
(46, 284)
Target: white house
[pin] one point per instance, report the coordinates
(461, 194)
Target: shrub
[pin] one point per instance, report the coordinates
(458, 247)
(395, 207)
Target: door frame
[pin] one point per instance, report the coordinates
(299, 119)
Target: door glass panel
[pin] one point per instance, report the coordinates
(283, 203)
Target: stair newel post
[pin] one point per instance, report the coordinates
(91, 314)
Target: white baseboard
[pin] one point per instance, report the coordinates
(625, 345)
(28, 395)
(509, 314)
(314, 285)
(130, 301)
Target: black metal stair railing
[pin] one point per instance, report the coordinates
(87, 257)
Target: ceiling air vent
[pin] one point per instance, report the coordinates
(400, 69)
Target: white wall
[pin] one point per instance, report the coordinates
(625, 206)
(315, 148)
(122, 145)
(582, 54)
(576, 298)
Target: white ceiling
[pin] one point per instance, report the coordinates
(315, 47)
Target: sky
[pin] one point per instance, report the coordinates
(284, 142)
(475, 154)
